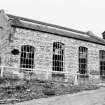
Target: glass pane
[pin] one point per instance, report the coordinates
(27, 56)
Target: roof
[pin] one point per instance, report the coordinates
(21, 22)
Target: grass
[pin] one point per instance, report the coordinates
(24, 90)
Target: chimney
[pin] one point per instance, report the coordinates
(103, 35)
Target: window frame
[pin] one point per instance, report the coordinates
(83, 60)
(27, 57)
(102, 63)
(58, 56)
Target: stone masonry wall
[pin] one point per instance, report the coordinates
(43, 43)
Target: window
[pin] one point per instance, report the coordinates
(83, 60)
(102, 62)
(27, 57)
(0, 60)
(58, 56)
(0, 65)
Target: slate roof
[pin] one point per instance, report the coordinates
(21, 22)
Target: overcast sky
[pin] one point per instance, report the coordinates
(81, 15)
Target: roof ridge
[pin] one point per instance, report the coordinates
(46, 24)
(53, 29)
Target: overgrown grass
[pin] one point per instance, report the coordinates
(24, 90)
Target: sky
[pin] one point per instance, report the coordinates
(82, 15)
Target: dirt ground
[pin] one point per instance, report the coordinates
(92, 97)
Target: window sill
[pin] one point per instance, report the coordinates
(83, 75)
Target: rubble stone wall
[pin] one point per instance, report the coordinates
(43, 44)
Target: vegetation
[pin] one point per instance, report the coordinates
(23, 90)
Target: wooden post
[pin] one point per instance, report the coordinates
(2, 69)
(76, 79)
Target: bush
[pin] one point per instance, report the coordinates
(49, 92)
(34, 89)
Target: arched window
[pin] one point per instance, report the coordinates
(27, 56)
(0, 65)
(0, 60)
(83, 52)
(58, 56)
(102, 62)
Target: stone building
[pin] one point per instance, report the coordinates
(48, 51)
